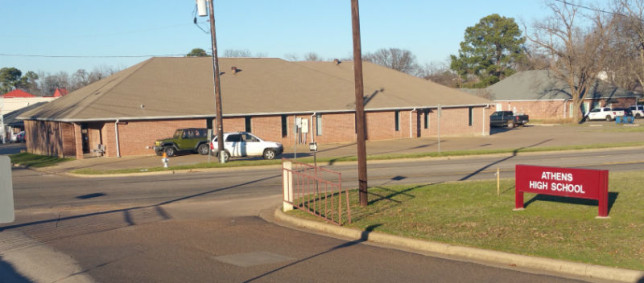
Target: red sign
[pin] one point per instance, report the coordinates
(567, 182)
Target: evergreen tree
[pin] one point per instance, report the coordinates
(489, 51)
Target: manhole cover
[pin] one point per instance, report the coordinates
(252, 259)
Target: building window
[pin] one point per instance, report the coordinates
(247, 122)
(470, 111)
(284, 126)
(397, 120)
(426, 119)
(318, 124)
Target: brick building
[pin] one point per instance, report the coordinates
(542, 96)
(126, 112)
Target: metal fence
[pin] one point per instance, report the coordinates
(317, 191)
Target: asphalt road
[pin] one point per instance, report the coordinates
(204, 226)
(41, 190)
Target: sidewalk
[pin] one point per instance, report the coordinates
(501, 138)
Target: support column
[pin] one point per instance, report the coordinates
(78, 140)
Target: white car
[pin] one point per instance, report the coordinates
(638, 110)
(604, 113)
(242, 144)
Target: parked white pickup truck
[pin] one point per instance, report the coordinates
(638, 111)
(604, 113)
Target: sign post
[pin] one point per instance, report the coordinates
(566, 182)
(6, 191)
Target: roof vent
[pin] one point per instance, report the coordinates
(336, 61)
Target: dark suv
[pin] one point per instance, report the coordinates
(184, 140)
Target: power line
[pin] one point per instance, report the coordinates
(586, 7)
(88, 56)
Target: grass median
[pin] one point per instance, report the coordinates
(332, 160)
(35, 160)
(471, 214)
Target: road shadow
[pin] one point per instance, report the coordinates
(514, 154)
(9, 274)
(498, 130)
(364, 236)
(127, 212)
(612, 197)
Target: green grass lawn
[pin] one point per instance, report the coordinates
(34, 160)
(471, 214)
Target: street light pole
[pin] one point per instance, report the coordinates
(215, 70)
(360, 116)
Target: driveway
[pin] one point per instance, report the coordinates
(11, 148)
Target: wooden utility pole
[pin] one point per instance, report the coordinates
(215, 70)
(360, 116)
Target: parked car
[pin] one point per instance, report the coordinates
(19, 137)
(184, 140)
(242, 144)
(627, 111)
(507, 118)
(604, 113)
(638, 111)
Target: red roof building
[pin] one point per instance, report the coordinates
(60, 92)
(17, 93)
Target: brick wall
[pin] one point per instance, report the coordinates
(137, 137)
(540, 109)
(44, 138)
(558, 109)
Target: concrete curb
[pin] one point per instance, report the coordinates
(546, 264)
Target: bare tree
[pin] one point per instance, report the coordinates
(237, 53)
(394, 58)
(79, 79)
(312, 56)
(626, 65)
(533, 60)
(291, 57)
(439, 73)
(50, 83)
(576, 52)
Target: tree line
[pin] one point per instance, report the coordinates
(45, 84)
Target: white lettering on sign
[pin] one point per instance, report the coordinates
(538, 185)
(557, 176)
(570, 188)
(547, 176)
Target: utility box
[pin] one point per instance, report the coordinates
(6, 191)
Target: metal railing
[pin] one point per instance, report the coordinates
(315, 190)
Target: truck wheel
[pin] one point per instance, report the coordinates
(169, 151)
(510, 124)
(203, 149)
(269, 154)
(608, 119)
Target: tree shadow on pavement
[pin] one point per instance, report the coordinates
(364, 236)
(514, 154)
(9, 274)
(127, 212)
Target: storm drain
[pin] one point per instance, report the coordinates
(253, 259)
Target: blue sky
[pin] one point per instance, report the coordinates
(431, 29)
